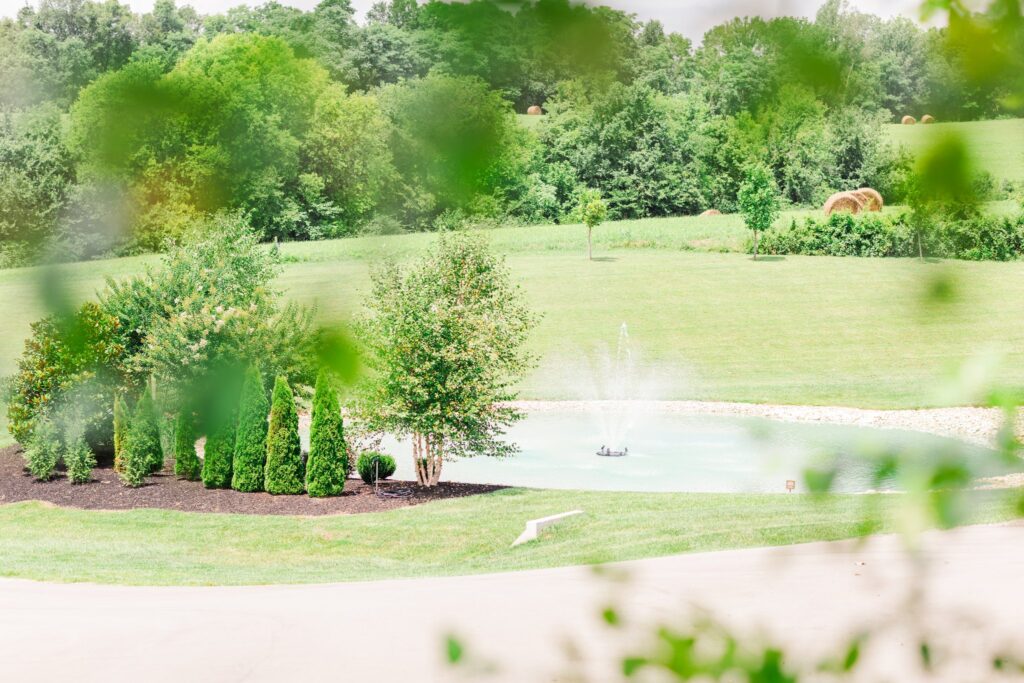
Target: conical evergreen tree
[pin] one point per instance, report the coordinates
(251, 439)
(328, 457)
(122, 417)
(220, 450)
(141, 453)
(186, 461)
(285, 473)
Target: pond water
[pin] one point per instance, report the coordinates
(679, 453)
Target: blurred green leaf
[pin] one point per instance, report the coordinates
(454, 650)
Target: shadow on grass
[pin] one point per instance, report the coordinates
(604, 259)
(768, 259)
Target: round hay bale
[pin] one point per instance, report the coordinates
(873, 199)
(908, 120)
(535, 111)
(712, 212)
(843, 201)
(927, 118)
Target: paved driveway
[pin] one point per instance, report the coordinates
(535, 624)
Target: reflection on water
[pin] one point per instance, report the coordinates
(678, 453)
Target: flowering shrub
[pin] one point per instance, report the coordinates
(212, 306)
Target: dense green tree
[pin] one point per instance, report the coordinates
(186, 460)
(396, 13)
(639, 175)
(446, 341)
(37, 175)
(759, 201)
(382, 53)
(69, 43)
(251, 439)
(347, 148)
(223, 129)
(285, 473)
(328, 463)
(167, 32)
(456, 145)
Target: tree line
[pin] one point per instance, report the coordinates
(120, 131)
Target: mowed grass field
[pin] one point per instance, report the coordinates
(815, 330)
(996, 146)
(455, 537)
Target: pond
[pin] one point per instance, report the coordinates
(681, 453)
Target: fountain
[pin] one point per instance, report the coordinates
(616, 413)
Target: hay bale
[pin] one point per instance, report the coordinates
(843, 201)
(872, 199)
(535, 111)
(712, 212)
(908, 120)
(927, 118)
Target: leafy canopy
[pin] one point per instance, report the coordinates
(446, 339)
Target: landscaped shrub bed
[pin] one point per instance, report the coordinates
(188, 351)
(975, 238)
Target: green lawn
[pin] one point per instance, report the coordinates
(464, 536)
(704, 325)
(997, 146)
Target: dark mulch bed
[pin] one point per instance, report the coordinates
(170, 493)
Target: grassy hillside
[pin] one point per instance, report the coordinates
(997, 146)
(703, 325)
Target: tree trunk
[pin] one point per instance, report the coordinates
(590, 249)
(428, 457)
(920, 248)
(756, 237)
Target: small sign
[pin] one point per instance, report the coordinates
(790, 485)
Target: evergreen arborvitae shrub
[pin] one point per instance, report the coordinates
(285, 473)
(42, 452)
(251, 439)
(78, 457)
(373, 467)
(140, 447)
(219, 454)
(122, 416)
(186, 461)
(150, 423)
(327, 467)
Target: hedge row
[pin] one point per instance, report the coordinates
(978, 238)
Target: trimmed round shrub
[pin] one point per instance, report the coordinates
(42, 452)
(375, 467)
(186, 461)
(78, 457)
(285, 473)
(251, 439)
(327, 467)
